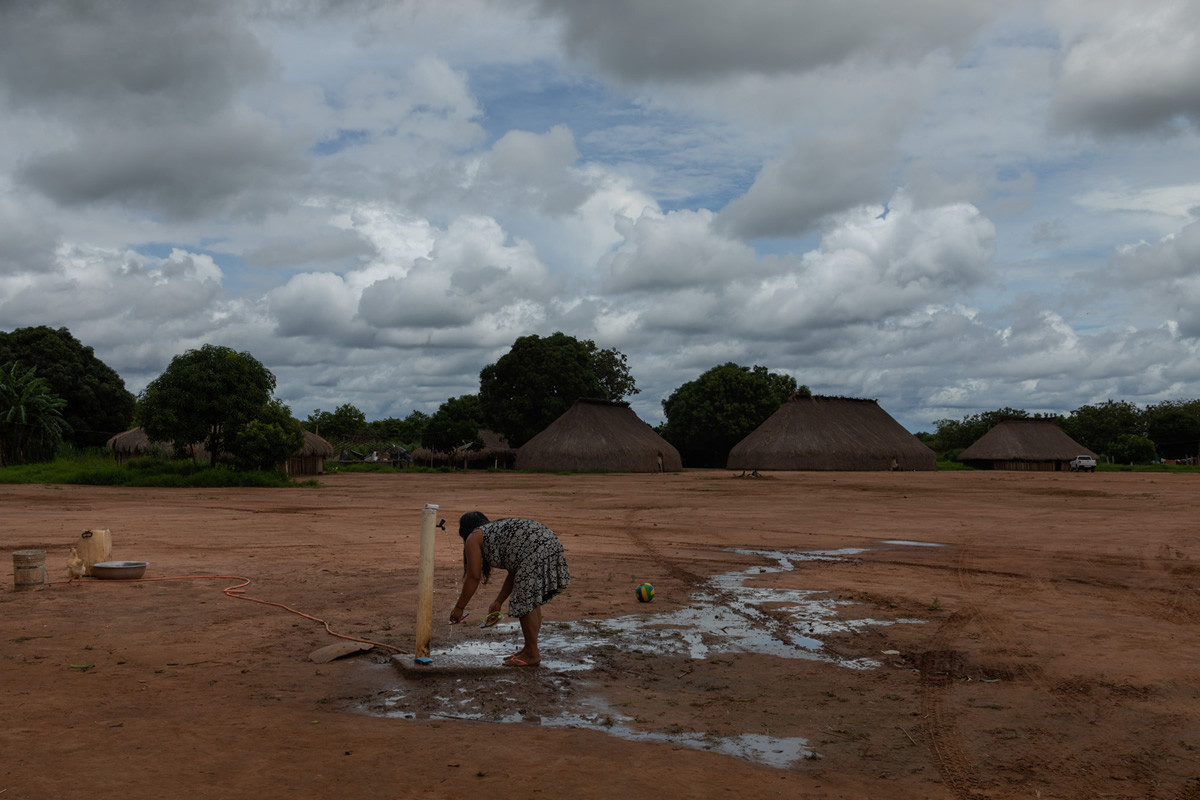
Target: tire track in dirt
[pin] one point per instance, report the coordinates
(1182, 603)
(1065, 697)
(936, 666)
(1177, 601)
(1191, 791)
(942, 662)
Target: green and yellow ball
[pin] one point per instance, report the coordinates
(645, 593)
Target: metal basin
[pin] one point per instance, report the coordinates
(120, 570)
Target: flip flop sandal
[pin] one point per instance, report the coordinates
(491, 619)
(464, 616)
(513, 661)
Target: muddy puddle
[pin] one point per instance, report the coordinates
(729, 615)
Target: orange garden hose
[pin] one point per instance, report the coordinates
(237, 592)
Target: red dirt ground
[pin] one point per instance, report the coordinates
(1058, 657)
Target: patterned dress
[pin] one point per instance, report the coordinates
(533, 554)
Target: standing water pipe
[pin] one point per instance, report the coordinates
(424, 627)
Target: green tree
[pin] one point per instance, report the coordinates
(1129, 448)
(205, 395)
(1174, 427)
(1097, 427)
(706, 417)
(268, 440)
(342, 424)
(31, 419)
(407, 431)
(97, 403)
(612, 370)
(455, 424)
(540, 378)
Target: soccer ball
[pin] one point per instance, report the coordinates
(645, 593)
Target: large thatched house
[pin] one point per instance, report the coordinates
(1024, 444)
(831, 433)
(599, 435)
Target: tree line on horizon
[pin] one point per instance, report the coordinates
(54, 390)
(1117, 430)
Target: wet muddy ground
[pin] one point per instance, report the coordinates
(944, 635)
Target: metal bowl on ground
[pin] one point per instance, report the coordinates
(120, 570)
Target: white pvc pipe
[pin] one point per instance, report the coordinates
(424, 626)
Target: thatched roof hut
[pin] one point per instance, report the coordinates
(1024, 444)
(831, 433)
(496, 452)
(310, 458)
(425, 457)
(599, 435)
(134, 443)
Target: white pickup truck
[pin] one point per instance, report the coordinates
(1083, 464)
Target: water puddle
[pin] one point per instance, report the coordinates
(733, 613)
(594, 713)
(909, 543)
(728, 616)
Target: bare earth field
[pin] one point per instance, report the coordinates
(807, 640)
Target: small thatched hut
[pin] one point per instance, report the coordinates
(496, 452)
(1024, 444)
(831, 433)
(134, 443)
(599, 435)
(310, 458)
(425, 457)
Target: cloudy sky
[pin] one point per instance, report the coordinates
(948, 206)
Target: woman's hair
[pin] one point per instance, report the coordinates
(467, 524)
(469, 521)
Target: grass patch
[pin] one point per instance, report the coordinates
(89, 469)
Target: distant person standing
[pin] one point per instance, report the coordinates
(537, 570)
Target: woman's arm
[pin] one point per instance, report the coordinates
(473, 557)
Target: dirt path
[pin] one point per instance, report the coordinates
(808, 640)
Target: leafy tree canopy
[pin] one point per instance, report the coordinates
(540, 378)
(407, 431)
(205, 395)
(342, 424)
(267, 441)
(1098, 426)
(1129, 448)
(708, 416)
(455, 424)
(31, 420)
(1174, 427)
(97, 403)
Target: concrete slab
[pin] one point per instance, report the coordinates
(445, 665)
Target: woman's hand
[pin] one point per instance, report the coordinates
(456, 615)
(494, 608)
